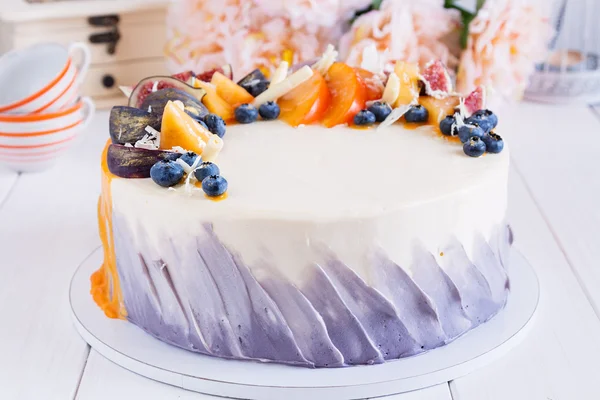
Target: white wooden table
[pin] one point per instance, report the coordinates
(48, 226)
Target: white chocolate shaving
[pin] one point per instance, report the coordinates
(191, 176)
(186, 167)
(126, 90)
(326, 60)
(150, 141)
(280, 73)
(179, 104)
(212, 149)
(394, 116)
(277, 90)
(392, 89)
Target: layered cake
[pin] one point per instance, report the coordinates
(341, 217)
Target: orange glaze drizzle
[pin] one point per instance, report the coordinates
(105, 287)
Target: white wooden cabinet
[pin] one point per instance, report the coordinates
(126, 37)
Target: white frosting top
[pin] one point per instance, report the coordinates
(310, 172)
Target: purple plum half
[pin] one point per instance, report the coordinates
(128, 124)
(131, 162)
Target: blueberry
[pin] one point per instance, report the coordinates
(448, 126)
(202, 123)
(486, 119)
(246, 114)
(467, 131)
(214, 185)
(381, 110)
(416, 113)
(269, 110)
(206, 169)
(493, 142)
(364, 118)
(189, 158)
(215, 124)
(166, 173)
(474, 147)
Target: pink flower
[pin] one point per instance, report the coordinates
(402, 30)
(205, 34)
(505, 40)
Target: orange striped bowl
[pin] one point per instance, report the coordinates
(31, 143)
(43, 78)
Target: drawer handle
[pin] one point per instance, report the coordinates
(104, 20)
(108, 81)
(111, 38)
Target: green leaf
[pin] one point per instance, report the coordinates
(479, 4)
(376, 4)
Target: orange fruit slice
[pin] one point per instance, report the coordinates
(439, 108)
(348, 95)
(373, 89)
(306, 103)
(409, 82)
(179, 129)
(230, 91)
(214, 102)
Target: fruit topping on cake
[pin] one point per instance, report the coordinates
(255, 82)
(230, 91)
(189, 158)
(348, 95)
(128, 124)
(493, 142)
(306, 103)
(206, 76)
(277, 90)
(409, 83)
(246, 114)
(155, 102)
(178, 129)
(474, 147)
(186, 76)
(364, 118)
(215, 124)
(468, 131)
(438, 109)
(214, 102)
(205, 170)
(167, 133)
(381, 110)
(166, 173)
(475, 100)
(448, 126)
(157, 83)
(214, 185)
(486, 119)
(269, 111)
(436, 80)
(373, 83)
(416, 114)
(132, 162)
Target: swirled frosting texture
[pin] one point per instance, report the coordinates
(203, 298)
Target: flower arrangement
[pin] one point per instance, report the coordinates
(495, 45)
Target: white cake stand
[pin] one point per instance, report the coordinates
(133, 349)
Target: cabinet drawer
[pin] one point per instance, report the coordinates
(137, 41)
(123, 73)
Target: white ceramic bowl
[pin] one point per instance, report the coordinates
(42, 78)
(35, 142)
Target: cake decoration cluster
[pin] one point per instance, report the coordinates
(173, 128)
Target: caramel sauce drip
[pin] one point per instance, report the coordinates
(105, 286)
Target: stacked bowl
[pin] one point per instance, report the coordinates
(41, 111)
